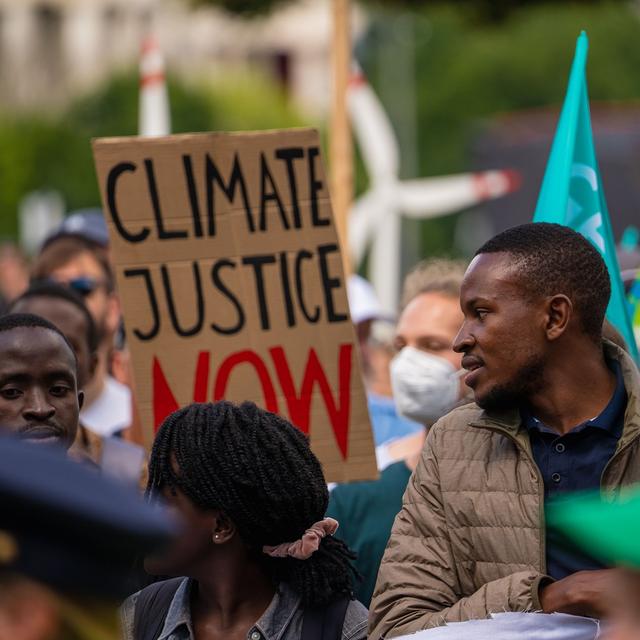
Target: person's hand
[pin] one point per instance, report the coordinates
(586, 593)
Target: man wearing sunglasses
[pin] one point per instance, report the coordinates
(76, 256)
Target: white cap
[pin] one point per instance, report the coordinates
(363, 301)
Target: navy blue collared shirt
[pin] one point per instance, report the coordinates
(575, 462)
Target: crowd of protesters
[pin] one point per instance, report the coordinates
(493, 394)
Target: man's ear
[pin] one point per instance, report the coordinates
(80, 399)
(223, 529)
(559, 314)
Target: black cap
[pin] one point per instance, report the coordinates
(66, 525)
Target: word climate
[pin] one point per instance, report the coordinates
(233, 189)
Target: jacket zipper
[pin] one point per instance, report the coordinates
(538, 475)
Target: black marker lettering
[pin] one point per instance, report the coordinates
(257, 262)
(315, 186)
(193, 195)
(236, 179)
(329, 283)
(197, 327)
(271, 194)
(153, 303)
(112, 179)
(222, 287)
(163, 234)
(286, 289)
(304, 255)
(289, 155)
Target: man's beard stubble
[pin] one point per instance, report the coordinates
(517, 393)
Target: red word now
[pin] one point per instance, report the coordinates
(298, 399)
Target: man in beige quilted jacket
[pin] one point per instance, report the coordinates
(556, 410)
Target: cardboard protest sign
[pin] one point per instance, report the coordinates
(229, 270)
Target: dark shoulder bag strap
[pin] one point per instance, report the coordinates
(325, 623)
(152, 607)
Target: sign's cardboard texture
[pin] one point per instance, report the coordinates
(228, 266)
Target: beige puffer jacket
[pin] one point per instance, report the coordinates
(469, 540)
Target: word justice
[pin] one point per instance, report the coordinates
(287, 270)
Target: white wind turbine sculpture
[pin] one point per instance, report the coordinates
(375, 217)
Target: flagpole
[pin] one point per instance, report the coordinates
(340, 145)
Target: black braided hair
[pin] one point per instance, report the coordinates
(258, 469)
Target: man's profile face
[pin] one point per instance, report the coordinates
(39, 399)
(70, 320)
(502, 339)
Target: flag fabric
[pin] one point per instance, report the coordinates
(572, 192)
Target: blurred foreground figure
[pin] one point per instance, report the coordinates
(76, 256)
(425, 378)
(609, 531)
(556, 410)
(39, 396)
(259, 556)
(68, 538)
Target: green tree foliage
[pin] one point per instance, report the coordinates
(469, 71)
(54, 152)
(485, 10)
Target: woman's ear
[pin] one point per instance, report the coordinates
(223, 528)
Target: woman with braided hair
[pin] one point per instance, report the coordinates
(259, 557)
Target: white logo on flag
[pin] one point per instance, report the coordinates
(590, 228)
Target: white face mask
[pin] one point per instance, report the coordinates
(425, 387)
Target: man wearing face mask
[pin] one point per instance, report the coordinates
(426, 372)
(426, 385)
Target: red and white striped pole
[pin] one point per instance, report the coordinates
(153, 118)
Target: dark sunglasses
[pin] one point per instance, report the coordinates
(84, 286)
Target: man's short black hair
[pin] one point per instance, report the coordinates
(553, 259)
(31, 321)
(49, 289)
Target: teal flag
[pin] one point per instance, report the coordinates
(572, 192)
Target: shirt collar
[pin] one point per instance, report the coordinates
(179, 612)
(610, 419)
(272, 624)
(274, 621)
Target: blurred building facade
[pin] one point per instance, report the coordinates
(52, 49)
